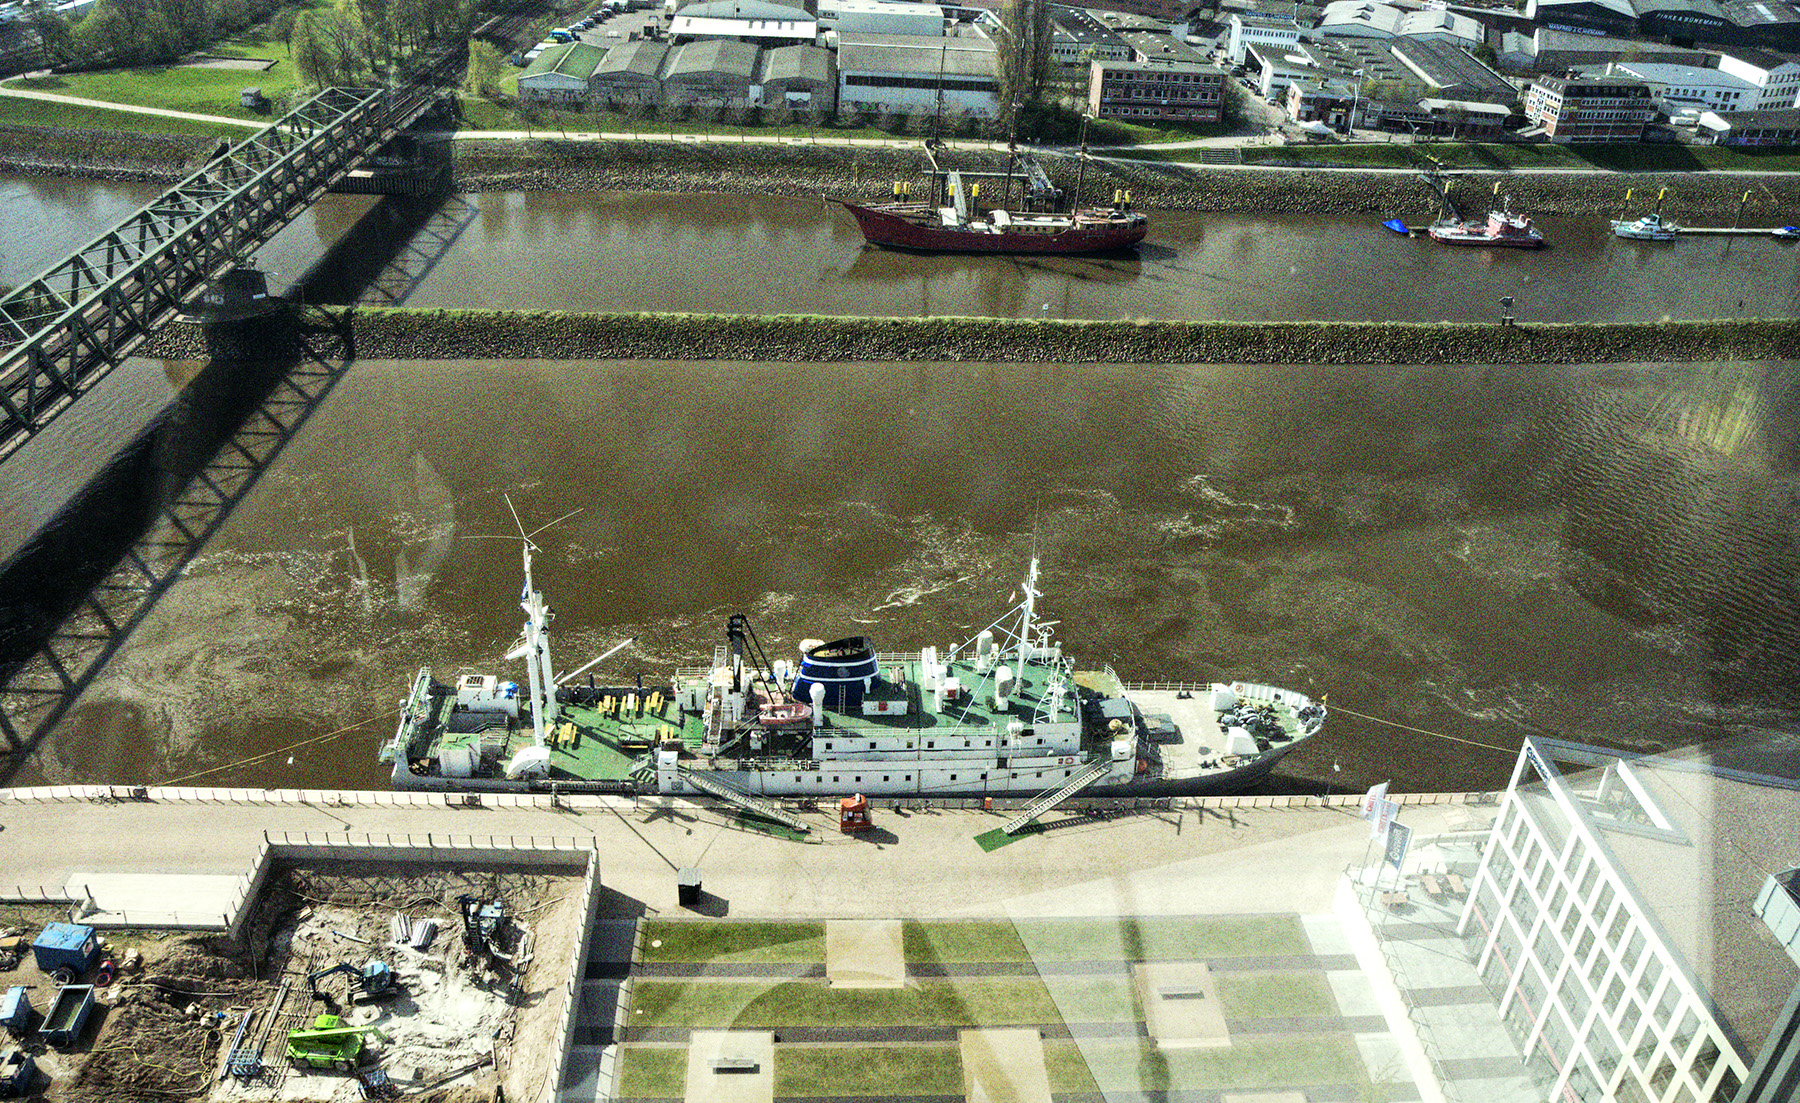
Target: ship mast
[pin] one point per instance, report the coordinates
(536, 651)
(1029, 606)
(1075, 205)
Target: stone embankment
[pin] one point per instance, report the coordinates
(401, 334)
(869, 172)
(100, 154)
(806, 170)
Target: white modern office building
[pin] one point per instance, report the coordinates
(1776, 77)
(1612, 919)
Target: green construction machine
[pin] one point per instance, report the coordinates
(329, 1044)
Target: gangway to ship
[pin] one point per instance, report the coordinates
(1050, 798)
(747, 801)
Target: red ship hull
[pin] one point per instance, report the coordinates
(899, 232)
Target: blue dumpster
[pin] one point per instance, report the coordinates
(66, 945)
(63, 1022)
(16, 1012)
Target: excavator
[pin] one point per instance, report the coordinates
(374, 978)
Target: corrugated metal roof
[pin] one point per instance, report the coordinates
(916, 54)
(643, 57)
(575, 60)
(799, 63)
(736, 59)
(745, 9)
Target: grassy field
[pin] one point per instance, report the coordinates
(971, 1001)
(1274, 995)
(1128, 940)
(19, 112)
(180, 88)
(767, 943)
(1255, 1064)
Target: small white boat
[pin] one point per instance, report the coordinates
(1651, 227)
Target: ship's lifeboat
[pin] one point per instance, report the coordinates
(785, 714)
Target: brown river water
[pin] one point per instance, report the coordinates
(1603, 553)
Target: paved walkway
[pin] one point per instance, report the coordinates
(134, 109)
(1453, 1011)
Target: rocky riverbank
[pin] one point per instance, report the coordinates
(868, 172)
(401, 334)
(100, 154)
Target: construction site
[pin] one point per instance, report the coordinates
(345, 979)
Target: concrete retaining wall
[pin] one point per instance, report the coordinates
(402, 334)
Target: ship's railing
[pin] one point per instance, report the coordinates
(1165, 687)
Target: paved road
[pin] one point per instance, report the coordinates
(924, 864)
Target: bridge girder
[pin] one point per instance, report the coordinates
(62, 331)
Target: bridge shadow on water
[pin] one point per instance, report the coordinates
(71, 597)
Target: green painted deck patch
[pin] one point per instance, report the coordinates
(991, 841)
(751, 822)
(768, 943)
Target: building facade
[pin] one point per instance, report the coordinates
(915, 75)
(1777, 78)
(1750, 128)
(560, 74)
(1156, 91)
(1591, 960)
(1575, 109)
(1267, 32)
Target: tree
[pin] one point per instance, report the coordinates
(1021, 56)
(54, 34)
(486, 64)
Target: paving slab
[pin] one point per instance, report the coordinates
(149, 898)
(1325, 935)
(752, 1050)
(1181, 1005)
(1262, 1097)
(864, 953)
(1353, 993)
(1004, 1065)
(1384, 1060)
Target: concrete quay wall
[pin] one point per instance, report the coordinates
(406, 334)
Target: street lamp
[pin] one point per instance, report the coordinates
(1355, 101)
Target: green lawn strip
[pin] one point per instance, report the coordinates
(1162, 938)
(23, 112)
(1067, 1069)
(1248, 1064)
(176, 88)
(1274, 995)
(769, 943)
(651, 1072)
(1149, 939)
(978, 940)
(831, 1072)
(982, 1001)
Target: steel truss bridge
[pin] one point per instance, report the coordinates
(63, 331)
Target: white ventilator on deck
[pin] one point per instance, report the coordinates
(529, 762)
(535, 650)
(1003, 687)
